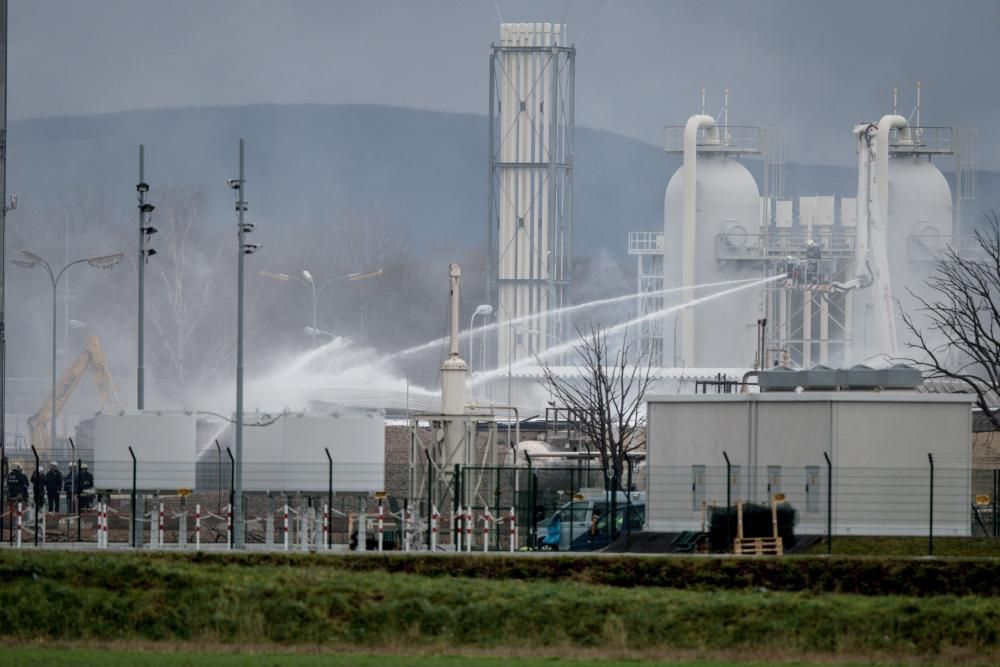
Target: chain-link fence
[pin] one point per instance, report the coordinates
(557, 506)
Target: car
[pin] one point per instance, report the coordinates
(582, 523)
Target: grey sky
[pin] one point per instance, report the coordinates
(812, 68)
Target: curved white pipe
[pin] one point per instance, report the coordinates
(689, 219)
(888, 122)
(884, 302)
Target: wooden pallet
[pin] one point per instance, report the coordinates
(758, 546)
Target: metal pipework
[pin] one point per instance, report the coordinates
(690, 213)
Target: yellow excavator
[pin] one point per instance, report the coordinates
(91, 359)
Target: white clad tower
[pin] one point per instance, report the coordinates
(530, 186)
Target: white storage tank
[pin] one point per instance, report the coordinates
(920, 227)
(728, 224)
(920, 224)
(287, 453)
(164, 444)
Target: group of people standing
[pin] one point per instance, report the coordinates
(49, 485)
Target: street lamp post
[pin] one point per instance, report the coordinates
(31, 261)
(243, 228)
(308, 280)
(145, 231)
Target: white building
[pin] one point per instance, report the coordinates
(878, 443)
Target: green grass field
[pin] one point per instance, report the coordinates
(944, 547)
(74, 657)
(531, 607)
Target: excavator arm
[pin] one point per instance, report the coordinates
(91, 359)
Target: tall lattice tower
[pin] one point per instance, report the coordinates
(531, 186)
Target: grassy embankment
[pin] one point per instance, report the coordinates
(961, 547)
(532, 605)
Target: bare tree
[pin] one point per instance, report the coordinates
(956, 328)
(606, 400)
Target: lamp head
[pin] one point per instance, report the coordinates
(484, 309)
(308, 276)
(147, 208)
(32, 257)
(105, 261)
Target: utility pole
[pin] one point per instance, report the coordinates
(244, 249)
(145, 231)
(3, 227)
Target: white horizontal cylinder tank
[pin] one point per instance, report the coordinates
(728, 203)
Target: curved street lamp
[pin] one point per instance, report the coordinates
(306, 278)
(31, 261)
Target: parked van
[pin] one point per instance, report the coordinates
(583, 523)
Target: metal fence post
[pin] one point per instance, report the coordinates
(829, 504)
(729, 499)
(930, 517)
(329, 499)
(430, 499)
(77, 492)
(134, 524)
(34, 488)
(3, 488)
(232, 490)
(456, 506)
(628, 505)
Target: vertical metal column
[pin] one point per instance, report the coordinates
(329, 499)
(829, 504)
(244, 249)
(930, 517)
(729, 495)
(142, 188)
(3, 230)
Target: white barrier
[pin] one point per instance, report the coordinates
(487, 517)
(102, 533)
(20, 525)
(512, 518)
(161, 533)
(326, 527)
(229, 526)
(470, 523)
(197, 527)
(434, 528)
(284, 527)
(381, 525)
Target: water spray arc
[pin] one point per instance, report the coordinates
(597, 303)
(619, 328)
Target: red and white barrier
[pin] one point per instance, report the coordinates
(20, 525)
(512, 519)
(102, 530)
(197, 527)
(381, 525)
(487, 518)
(434, 528)
(284, 527)
(326, 527)
(229, 526)
(470, 521)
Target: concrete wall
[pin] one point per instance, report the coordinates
(878, 443)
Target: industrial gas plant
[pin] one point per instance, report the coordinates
(771, 328)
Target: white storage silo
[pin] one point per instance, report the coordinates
(920, 226)
(726, 229)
